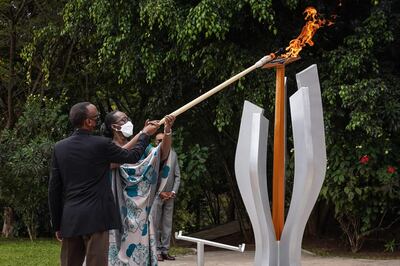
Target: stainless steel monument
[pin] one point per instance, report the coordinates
(282, 247)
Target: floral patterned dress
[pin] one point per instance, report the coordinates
(134, 188)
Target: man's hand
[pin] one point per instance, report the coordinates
(169, 121)
(164, 195)
(58, 236)
(167, 195)
(150, 127)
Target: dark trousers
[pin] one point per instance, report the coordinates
(93, 246)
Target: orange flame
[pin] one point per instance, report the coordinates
(314, 22)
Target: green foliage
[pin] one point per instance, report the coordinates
(138, 55)
(390, 246)
(26, 152)
(19, 19)
(149, 57)
(362, 106)
(192, 162)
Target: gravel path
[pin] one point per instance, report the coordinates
(229, 258)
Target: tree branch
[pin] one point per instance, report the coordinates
(377, 229)
(68, 60)
(37, 81)
(19, 11)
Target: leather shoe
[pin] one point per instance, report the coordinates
(167, 257)
(160, 257)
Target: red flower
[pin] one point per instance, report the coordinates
(364, 159)
(391, 169)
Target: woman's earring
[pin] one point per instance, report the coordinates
(114, 127)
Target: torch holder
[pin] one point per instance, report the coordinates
(278, 179)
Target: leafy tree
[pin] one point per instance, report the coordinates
(361, 104)
(137, 55)
(17, 19)
(149, 57)
(192, 161)
(26, 152)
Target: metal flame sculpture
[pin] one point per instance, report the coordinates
(310, 166)
(278, 243)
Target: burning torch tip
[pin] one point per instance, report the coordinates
(281, 61)
(271, 57)
(279, 51)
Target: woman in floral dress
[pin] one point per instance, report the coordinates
(134, 188)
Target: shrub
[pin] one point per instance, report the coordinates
(25, 157)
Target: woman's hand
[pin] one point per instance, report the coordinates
(169, 121)
(150, 127)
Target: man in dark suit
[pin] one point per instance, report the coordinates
(81, 203)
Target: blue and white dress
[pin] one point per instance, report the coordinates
(135, 187)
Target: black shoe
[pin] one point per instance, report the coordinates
(160, 257)
(167, 257)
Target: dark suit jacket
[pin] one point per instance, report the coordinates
(80, 197)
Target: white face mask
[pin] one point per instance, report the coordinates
(127, 129)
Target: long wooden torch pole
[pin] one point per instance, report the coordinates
(278, 182)
(221, 86)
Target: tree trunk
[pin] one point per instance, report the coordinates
(231, 210)
(198, 216)
(351, 227)
(317, 222)
(37, 83)
(324, 211)
(10, 90)
(68, 61)
(8, 224)
(218, 210)
(29, 232)
(30, 224)
(312, 223)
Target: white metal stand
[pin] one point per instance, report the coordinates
(202, 242)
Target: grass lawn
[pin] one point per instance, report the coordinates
(24, 252)
(41, 252)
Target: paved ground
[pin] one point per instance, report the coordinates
(230, 258)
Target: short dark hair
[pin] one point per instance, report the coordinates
(78, 114)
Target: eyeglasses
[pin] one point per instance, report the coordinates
(95, 117)
(123, 119)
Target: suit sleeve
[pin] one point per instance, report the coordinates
(177, 174)
(55, 194)
(119, 155)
